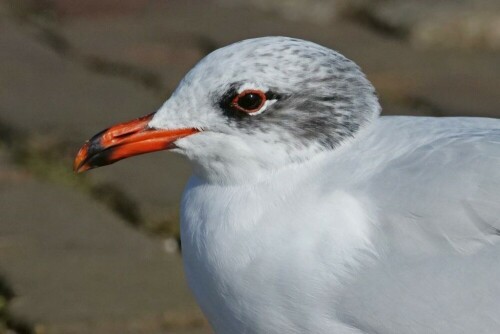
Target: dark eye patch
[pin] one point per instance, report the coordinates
(246, 102)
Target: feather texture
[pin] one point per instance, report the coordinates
(394, 232)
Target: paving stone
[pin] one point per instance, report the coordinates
(154, 181)
(44, 93)
(446, 23)
(76, 268)
(140, 41)
(318, 11)
(8, 170)
(97, 7)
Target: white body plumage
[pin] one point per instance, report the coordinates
(327, 245)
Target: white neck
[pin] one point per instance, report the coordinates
(237, 241)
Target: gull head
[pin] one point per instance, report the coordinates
(248, 109)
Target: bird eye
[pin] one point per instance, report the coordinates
(249, 101)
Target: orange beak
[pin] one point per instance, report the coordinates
(125, 140)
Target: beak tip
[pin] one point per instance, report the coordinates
(81, 169)
(79, 164)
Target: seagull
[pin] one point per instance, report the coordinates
(307, 212)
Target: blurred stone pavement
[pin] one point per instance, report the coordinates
(96, 253)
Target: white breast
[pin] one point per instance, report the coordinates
(265, 261)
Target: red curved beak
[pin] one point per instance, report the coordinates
(125, 140)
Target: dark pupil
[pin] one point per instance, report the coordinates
(249, 101)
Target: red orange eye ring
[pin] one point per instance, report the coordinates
(249, 95)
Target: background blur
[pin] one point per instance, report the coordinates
(97, 253)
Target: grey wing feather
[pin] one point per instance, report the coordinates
(439, 204)
(449, 294)
(446, 190)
